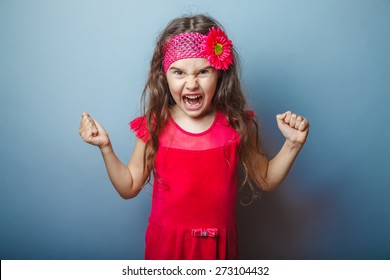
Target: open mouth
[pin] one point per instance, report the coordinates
(192, 101)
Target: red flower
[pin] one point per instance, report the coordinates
(218, 49)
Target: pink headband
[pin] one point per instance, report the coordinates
(215, 47)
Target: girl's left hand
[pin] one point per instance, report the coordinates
(294, 127)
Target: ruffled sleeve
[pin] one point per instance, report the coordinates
(140, 129)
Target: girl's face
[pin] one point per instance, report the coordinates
(192, 82)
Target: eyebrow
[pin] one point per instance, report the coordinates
(200, 69)
(174, 69)
(206, 68)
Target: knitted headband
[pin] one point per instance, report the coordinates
(215, 47)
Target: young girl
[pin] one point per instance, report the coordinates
(195, 133)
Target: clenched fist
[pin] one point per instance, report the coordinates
(92, 132)
(294, 127)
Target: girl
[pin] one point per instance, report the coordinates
(195, 132)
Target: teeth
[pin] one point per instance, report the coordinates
(192, 100)
(193, 97)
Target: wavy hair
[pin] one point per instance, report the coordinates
(228, 98)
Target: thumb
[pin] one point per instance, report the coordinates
(99, 126)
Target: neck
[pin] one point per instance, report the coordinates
(191, 124)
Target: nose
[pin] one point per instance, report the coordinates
(192, 82)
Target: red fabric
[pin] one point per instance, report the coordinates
(193, 212)
(139, 126)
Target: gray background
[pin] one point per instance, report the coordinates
(327, 60)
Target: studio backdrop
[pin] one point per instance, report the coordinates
(326, 60)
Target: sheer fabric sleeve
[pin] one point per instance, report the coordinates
(139, 128)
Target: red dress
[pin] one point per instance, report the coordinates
(193, 213)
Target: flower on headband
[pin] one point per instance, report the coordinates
(218, 49)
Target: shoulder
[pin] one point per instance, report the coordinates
(140, 128)
(247, 117)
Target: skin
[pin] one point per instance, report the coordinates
(193, 77)
(295, 129)
(127, 180)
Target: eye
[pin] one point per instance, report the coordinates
(204, 72)
(178, 72)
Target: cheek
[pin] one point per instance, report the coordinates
(175, 91)
(210, 88)
(174, 87)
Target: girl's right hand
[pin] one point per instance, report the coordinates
(92, 132)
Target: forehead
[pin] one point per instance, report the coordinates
(190, 64)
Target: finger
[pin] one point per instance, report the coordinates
(94, 130)
(85, 120)
(281, 116)
(98, 125)
(88, 120)
(84, 124)
(293, 120)
(86, 135)
(298, 122)
(86, 117)
(88, 125)
(304, 125)
(84, 114)
(288, 117)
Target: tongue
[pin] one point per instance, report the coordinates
(193, 101)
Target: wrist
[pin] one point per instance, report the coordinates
(293, 145)
(106, 148)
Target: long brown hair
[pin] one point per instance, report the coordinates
(229, 98)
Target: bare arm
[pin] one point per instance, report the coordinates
(127, 180)
(295, 128)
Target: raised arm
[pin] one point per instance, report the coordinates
(295, 129)
(127, 180)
